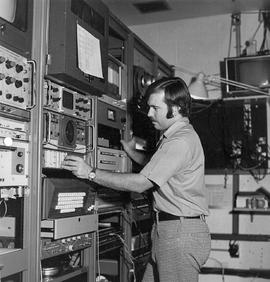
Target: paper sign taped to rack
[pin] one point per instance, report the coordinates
(89, 55)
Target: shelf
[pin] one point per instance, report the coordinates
(110, 209)
(251, 211)
(263, 273)
(241, 237)
(12, 260)
(68, 275)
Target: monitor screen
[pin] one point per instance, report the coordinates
(15, 12)
(8, 10)
(68, 101)
(255, 72)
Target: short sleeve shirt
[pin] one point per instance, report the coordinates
(177, 170)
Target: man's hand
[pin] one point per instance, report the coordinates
(129, 146)
(137, 156)
(77, 166)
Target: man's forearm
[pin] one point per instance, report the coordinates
(132, 182)
(139, 157)
(129, 182)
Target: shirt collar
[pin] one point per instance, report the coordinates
(175, 126)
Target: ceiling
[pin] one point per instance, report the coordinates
(137, 12)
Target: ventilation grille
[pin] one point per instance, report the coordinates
(152, 6)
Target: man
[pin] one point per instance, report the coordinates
(175, 173)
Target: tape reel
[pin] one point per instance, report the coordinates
(68, 132)
(141, 80)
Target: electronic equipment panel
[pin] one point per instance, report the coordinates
(12, 129)
(111, 159)
(63, 132)
(249, 70)
(68, 225)
(110, 230)
(232, 133)
(67, 101)
(64, 227)
(141, 80)
(66, 197)
(16, 25)
(15, 79)
(68, 123)
(52, 248)
(14, 165)
(117, 59)
(14, 152)
(78, 35)
(142, 127)
(111, 124)
(60, 270)
(117, 79)
(7, 231)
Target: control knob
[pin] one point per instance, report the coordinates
(10, 80)
(18, 83)
(20, 154)
(10, 64)
(19, 68)
(19, 168)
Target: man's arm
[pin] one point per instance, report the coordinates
(130, 182)
(139, 157)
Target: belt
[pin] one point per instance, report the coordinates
(164, 216)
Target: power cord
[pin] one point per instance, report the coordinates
(98, 262)
(221, 266)
(126, 249)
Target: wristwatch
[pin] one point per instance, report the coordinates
(92, 174)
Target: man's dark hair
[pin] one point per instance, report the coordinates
(176, 94)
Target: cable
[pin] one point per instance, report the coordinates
(40, 271)
(244, 53)
(230, 40)
(204, 108)
(63, 147)
(221, 265)
(98, 261)
(126, 249)
(257, 29)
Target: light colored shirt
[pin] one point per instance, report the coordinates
(177, 168)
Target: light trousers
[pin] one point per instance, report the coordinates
(179, 249)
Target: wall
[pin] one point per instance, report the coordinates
(198, 44)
